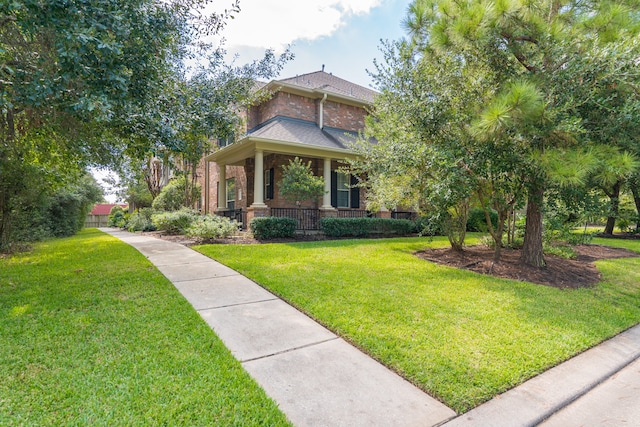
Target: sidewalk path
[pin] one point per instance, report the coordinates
(316, 378)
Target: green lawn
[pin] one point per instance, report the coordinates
(632, 245)
(93, 334)
(462, 337)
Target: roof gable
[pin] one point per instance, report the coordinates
(327, 82)
(105, 208)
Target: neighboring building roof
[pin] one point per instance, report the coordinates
(327, 82)
(304, 132)
(105, 208)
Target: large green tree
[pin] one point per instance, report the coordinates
(75, 78)
(538, 43)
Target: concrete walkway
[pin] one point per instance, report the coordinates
(315, 377)
(318, 379)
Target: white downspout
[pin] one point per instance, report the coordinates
(321, 112)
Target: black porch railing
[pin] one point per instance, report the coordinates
(308, 219)
(238, 215)
(404, 215)
(355, 214)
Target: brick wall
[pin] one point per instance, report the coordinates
(344, 116)
(284, 104)
(336, 115)
(237, 172)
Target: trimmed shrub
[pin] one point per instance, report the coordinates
(117, 217)
(140, 220)
(345, 227)
(175, 222)
(361, 227)
(271, 227)
(211, 227)
(476, 220)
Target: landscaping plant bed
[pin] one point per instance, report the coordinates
(248, 239)
(559, 272)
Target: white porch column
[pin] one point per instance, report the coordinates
(258, 181)
(222, 187)
(207, 185)
(326, 197)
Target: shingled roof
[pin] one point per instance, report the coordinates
(303, 132)
(321, 80)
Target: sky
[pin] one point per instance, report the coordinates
(344, 35)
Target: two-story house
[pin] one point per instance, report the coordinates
(313, 116)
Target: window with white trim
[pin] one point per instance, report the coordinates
(344, 190)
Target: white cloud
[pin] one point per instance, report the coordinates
(278, 23)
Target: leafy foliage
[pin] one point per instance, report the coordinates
(140, 220)
(117, 217)
(72, 75)
(477, 221)
(67, 209)
(59, 212)
(175, 195)
(175, 222)
(299, 183)
(362, 227)
(480, 92)
(271, 227)
(211, 227)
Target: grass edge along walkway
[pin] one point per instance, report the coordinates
(460, 336)
(93, 334)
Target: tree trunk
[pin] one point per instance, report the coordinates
(614, 198)
(499, 234)
(532, 252)
(636, 198)
(456, 225)
(9, 131)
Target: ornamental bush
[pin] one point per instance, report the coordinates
(117, 217)
(212, 227)
(172, 197)
(271, 227)
(476, 221)
(140, 220)
(175, 222)
(361, 227)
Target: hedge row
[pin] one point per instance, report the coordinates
(271, 227)
(360, 227)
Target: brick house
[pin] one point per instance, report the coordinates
(314, 116)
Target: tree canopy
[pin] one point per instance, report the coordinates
(481, 91)
(93, 83)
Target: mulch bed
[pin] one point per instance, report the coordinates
(559, 272)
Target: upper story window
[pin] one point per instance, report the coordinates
(230, 139)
